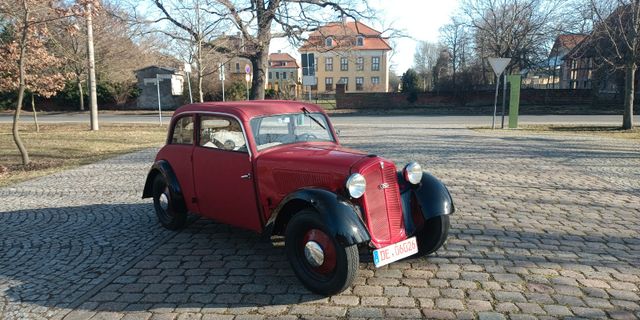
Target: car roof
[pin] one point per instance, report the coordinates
(251, 108)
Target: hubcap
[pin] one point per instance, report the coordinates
(314, 254)
(164, 201)
(319, 251)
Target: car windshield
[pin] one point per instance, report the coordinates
(275, 130)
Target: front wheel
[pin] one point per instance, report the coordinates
(170, 217)
(433, 235)
(322, 264)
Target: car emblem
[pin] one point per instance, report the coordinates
(383, 186)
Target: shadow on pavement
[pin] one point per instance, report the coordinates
(116, 258)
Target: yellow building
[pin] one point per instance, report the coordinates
(349, 55)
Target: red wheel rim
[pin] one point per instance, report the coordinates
(328, 249)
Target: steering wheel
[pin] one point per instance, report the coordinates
(229, 145)
(307, 137)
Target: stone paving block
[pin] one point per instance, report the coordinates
(365, 312)
(536, 250)
(479, 305)
(438, 314)
(490, 316)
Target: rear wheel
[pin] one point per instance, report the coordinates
(433, 235)
(322, 264)
(165, 205)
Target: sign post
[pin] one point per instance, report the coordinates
(187, 70)
(221, 77)
(308, 71)
(247, 77)
(159, 102)
(498, 65)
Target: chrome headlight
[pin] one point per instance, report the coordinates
(413, 172)
(356, 184)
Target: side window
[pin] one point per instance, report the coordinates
(183, 131)
(219, 132)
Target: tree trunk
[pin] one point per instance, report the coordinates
(81, 94)
(93, 96)
(21, 87)
(35, 113)
(629, 94)
(260, 62)
(200, 70)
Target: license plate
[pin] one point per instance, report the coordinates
(395, 252)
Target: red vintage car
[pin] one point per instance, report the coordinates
(277, 168)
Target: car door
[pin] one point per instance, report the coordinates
(222, 173)
(178, 153)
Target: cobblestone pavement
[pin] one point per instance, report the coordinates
(546, 227)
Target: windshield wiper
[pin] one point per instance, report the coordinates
(308, 114)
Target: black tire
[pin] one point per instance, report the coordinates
(325, 282)
(433, 235)
(170, 217)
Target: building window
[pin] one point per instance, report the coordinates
(277, 75)
(359, 83)
(359, 63)
(328, 64)
(375, 63)
(237, 67)
(284, 75)
(375, 80)
(360, 41)
(292, 78)
(328, 84)
(270, 75)
(345, 82)
(344, 64)
(328, 42)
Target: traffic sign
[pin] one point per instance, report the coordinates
(499, 64)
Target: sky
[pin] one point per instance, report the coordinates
(418, 19)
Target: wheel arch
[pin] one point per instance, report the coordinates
(340, 216)
(430, 196)
(162, 167)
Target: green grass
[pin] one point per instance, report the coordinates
(62, 146)
(579, 130)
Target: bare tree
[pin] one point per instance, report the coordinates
(455, 36)
(260, 21)
(615, 42)
(519, 29)
(424, 60)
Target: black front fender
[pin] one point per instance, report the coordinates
(432, 197)
(163, 168)
(340, 216)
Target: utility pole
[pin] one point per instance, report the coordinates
(93, 97)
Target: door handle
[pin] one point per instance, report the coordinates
(246, 176)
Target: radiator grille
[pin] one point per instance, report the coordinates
(382, 206)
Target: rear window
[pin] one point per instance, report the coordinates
(183, 131)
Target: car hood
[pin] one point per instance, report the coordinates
(282, 170)
(314, 156)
